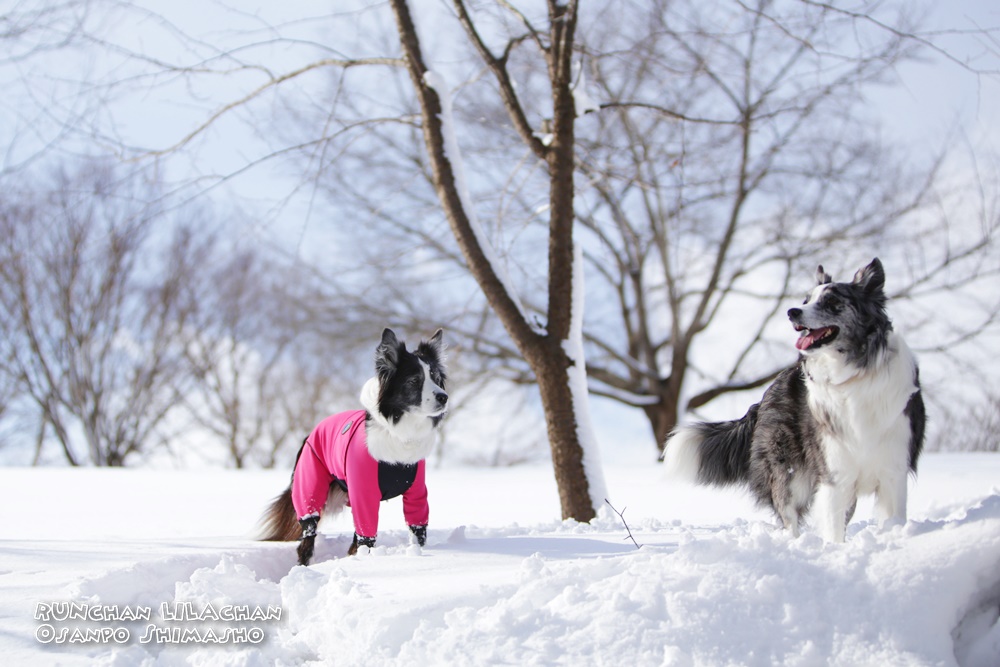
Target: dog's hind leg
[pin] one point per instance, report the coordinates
(791, 495)
(784, 506)
(336, 500)
(789, 515)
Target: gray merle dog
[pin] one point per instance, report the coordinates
(846, 420)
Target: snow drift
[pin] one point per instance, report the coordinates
(501, 581)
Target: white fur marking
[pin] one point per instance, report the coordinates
(870, 451)
(681, 459)
(429, 404)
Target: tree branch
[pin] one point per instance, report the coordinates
(508, 94)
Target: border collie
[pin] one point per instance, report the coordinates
(847, 419)
(359, 458)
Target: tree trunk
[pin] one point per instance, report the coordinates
(662, 418)
(544, 351)
(551, 367)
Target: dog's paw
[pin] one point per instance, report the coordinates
(309, 525)
(360, 541)
(419, 532)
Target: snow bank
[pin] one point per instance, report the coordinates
(712, 584)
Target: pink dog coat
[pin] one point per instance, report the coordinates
(337, 452)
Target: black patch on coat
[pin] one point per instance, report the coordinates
(394, 479)
(918, 420)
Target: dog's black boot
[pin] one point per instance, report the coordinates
(308, 541)
(420, 532)
(360, 541)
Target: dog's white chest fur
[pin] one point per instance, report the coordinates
(859, 410)
(864, 431)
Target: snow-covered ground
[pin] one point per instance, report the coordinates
(501, 582)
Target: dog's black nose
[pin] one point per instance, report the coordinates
(794, 313)
(441, 398)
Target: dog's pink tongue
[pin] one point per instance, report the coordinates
(803, 342)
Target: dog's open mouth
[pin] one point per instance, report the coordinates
(813, 338)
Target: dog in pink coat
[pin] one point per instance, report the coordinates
(359, 458)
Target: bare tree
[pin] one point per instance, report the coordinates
(733, 154)
(233, 362)
(267, 365)
(91, 327)
(728, 152)
(723, 154)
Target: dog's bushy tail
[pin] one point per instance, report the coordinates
(279, 523)
(712, 453)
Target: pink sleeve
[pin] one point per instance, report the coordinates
(363, 491)
(312, 483)
(415, 508)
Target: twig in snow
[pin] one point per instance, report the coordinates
(621, 515)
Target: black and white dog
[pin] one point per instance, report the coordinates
(362, 457)
(846, 420)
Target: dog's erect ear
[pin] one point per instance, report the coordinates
(822, 277)
(871, 278)
(437, 339)
(387, 354)
(434, 347)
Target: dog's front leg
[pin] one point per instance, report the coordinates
(360, 541)
(420, 533)
(890, 501)
(307, 543)
(831, 506)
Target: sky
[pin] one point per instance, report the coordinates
(931, 102)
(933, 99)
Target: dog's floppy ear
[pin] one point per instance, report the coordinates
(387, 354)
(822, 277)
(871, 278)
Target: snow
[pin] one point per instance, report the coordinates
(501, 580)
(577, 380)
(582, 101)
